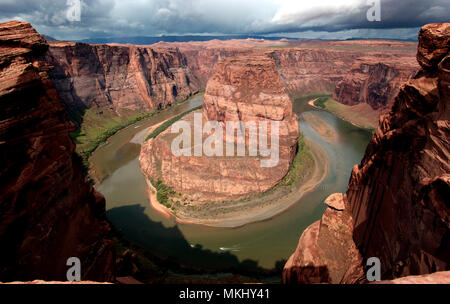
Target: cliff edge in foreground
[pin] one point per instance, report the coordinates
(396, 207)
(48, 210)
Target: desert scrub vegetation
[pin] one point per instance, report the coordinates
(346, 113)
(163, 193)
(89, 140)
(163, 127)
(303, 161)
(309, 97)
(321, 102)
(94, 129)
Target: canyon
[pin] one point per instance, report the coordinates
(122, 80)
(353, 72)
(396, 206)
(49, 211)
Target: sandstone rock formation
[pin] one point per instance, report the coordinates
(119, 77)
(399, 193)
(244, 88)
(397, 198)
(361, 70)
(326, 252)
(375, 84)
(49, 212)
(123, 78)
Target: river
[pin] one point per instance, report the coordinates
(261, 244)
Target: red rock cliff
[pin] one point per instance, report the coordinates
(120, 77)
(396, 207)
(399, 193)
(360, 71)
(376, 84)
(48, 210)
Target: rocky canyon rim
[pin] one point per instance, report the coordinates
(300, 59)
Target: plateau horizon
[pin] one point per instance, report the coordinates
(236, 133)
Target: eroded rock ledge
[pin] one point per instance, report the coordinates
(396, 205)
(326, 252)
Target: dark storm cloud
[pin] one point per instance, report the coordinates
(339, 15)
(153, 17)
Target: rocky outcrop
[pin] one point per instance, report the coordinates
(128, 78)
(374, 84)
(310, 71)
(326, 252)
(398, 196)
(363, 71)
(49, 211)
(247, 89)
(120, 78)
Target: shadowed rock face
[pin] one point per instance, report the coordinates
(245, 88)
(397, 198)
(374, 84)
(120, 77)
(399, 193)
(48, 210)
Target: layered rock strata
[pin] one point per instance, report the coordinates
(376, 84)
(124, 78)
(48, 210)
(397, 198)
(120, 77)
(354, 71)
(246, 89)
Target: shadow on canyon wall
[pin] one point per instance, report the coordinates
(170, 246)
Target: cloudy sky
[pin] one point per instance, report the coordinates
(329, 19)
